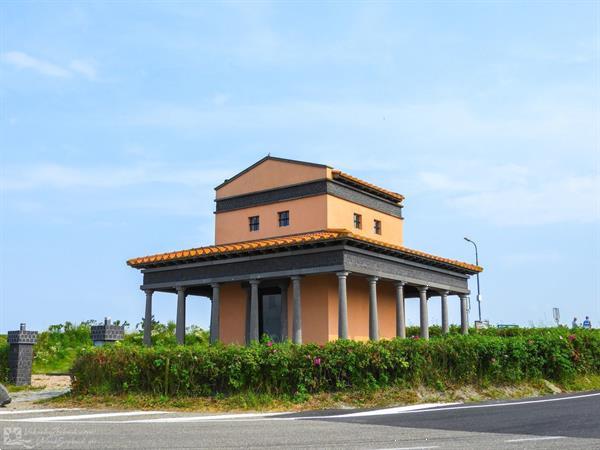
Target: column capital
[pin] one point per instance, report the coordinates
(400, 283)
(444, 293)
(254, 282)
(461, 296)
(296, 277)
(422, 289)
(215, 285)
(373, 279)
(148, 291)
(180, 289)
(342, 274)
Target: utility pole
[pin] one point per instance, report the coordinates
(477, 275)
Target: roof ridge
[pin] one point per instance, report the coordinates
(266, 158)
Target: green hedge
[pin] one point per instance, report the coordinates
(554, 354)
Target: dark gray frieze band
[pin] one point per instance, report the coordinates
(310, 189)
(255, 256)
(383, 268)
(328, 260)
(277, 263)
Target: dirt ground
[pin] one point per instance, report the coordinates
(50, 381)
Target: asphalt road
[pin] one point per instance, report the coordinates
(562, 421)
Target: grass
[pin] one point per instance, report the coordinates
(385, 397)
(13, 388)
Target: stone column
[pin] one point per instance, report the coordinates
(400, 310)
(284, 309)
(215, 313)
(424, 312)
(342, 306)
(464, 315)
(373, 320)
(180, 323)
(107, 332)
(20, 356)
(254, 310)
(148, 319)
(297, 319)
(444, 300)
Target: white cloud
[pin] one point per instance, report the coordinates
(56, 176)
(220, 99)
(426, 122)
(24, 61)
(515, 195)
(84, 67)
(20, 60)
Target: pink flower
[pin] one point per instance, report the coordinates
(269, 344)
(571, 337)
(317, 361)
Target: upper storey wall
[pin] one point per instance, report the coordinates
(305, 214)
(313, 197)
(272, 174)
(340, 214)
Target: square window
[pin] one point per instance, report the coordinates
(377, 226)
(254, 223)
(284, 218)
(357, 221)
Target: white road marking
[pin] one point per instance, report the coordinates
(88, 416)
(34, 411)
(270, 416)
(411, 448)
(395, 410)
(246, 417)
(202, 418)
(542, 438)
(492, 405)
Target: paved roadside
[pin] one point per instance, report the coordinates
(561, 421)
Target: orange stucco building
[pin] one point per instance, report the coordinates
(306, 252)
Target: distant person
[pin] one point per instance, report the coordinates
(587, 323)
(574, 324)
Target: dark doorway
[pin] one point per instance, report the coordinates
(270, 315)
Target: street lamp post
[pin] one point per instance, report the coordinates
(478, 288)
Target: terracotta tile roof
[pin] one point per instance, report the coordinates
(284, 241)
(339, 174)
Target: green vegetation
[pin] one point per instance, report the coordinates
(483, 359)
(355, 398)
(3, 359)
(57, 348)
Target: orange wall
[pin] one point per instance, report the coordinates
(340, 214)
(306, 214)
(232, 301)
(315, 310)
(319, 309)
(272, 174)
(358, 308)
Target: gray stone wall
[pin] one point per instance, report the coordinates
(107, 332)
(20, 356)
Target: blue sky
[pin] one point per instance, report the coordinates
(118, 120)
